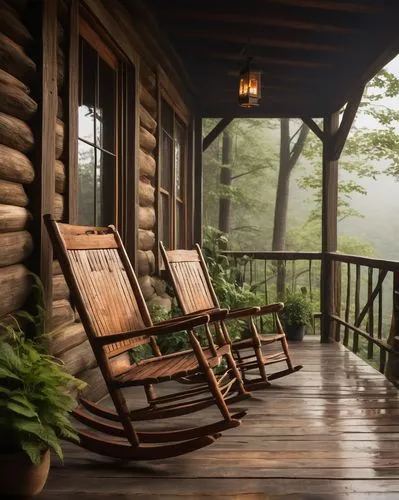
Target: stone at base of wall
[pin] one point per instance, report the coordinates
(163, 301)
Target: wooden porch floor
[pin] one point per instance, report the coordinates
(331, 431)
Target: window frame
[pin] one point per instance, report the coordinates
(170, 95)
(82, 23)
(180, 115)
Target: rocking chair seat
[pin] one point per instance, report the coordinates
(168, 367)
(249, 342)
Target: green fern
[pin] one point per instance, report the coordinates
(34, 404)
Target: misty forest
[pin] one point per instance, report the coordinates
(262, 192)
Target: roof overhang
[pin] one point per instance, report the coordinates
(314, 54)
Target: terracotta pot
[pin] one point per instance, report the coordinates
(19, 477)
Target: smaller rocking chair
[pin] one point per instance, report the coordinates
(112, 309)
(195, 294)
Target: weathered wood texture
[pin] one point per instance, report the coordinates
(329, 433)
(17, 107)
(146, 217)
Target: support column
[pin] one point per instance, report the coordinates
(198, 181)
(329, 226)
(47, 155)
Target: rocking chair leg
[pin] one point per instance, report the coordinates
(284, 345)
(261, 365)
(212, 380)
(151, 394)
(237, 375)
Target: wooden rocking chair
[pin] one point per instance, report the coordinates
(112, 309)
(195, 294)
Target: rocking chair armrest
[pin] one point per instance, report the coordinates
(241, 313)
(214, 315)
(184, 324)
(271, 308)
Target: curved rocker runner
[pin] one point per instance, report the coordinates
(114, 314)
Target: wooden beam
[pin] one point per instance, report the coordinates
(313, 127)
(215, 132)
(263, 19)
(198, 180)
(275, 59)
(346, 124)
(230, 36)
(329, 228)
(333, 5)
(48, 123)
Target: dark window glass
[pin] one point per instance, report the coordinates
(86, 183)
(172, 178)
(97, 159)
(164, 220)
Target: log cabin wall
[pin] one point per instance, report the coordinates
(20, 140)
(152, 287)
(68, 342)
(18, 110)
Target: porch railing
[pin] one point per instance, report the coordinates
(366, 292)
(260, 271)
(367, 300)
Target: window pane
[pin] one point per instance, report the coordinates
(179, 159)
(180, 232)
(87, 83)
(164, 219)
(86, 175)
(167, 117)
(167, 162)
(105, 189)
(105, 117)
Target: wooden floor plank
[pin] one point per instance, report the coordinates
(331, 431)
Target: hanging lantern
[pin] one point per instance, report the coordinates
(249, 92)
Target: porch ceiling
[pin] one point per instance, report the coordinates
(314, 53)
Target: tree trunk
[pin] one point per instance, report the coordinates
(288, 160)
(225, 183)
(281, 207)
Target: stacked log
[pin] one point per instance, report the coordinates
(147, 168)
(68, 340)
(17, 142)
(152, 287)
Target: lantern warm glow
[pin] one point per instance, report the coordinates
(249, 92)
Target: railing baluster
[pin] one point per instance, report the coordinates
(293, 284)
(266, 291)
(383, 360)
(310, 281)
(348, 303)
(357, 307)
(250, 272)
(380, 311)
(370, 322)
(337, 298)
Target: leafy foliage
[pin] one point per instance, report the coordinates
(34, 404)
(297, 309)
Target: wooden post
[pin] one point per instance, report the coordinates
(46, 181)
(198, 176)
(329, 226)
(392, 366)
(73, 103)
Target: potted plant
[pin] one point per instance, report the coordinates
(296, 315)
(34, 412)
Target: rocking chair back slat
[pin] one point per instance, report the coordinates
(191, 280)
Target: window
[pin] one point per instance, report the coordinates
(172, 182)
(97, 134)
(105, 172)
